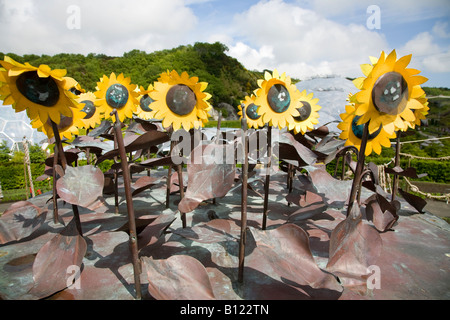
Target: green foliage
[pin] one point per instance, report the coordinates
(228, 81)
(12, 175)
(224, 124)
(4, 152)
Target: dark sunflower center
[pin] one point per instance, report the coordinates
(251, 111)
(181, 99)
(88, 108)
(145, 103)
(42, 91)
(358, 129)
(390, 93)
(305, 111)
(75, 91)
(278, 98)
(117, 96)
(64, 124)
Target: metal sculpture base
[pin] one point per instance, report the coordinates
(413, 260)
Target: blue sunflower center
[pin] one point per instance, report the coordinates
(145, 102)
(358, 129)
(42, 91)
(278, 98)
(88, 108)
(250, 111)
(181, 100)
(117, 96)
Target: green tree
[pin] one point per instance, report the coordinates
(4, 152)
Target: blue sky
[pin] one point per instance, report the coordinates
(302, 38)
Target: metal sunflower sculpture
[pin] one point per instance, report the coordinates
(308, 114)
(390, 100)
(278, 100)
(67, 127)
(40, 91)
(93, 115)
(254, 120)
(73, 86)
(389, 94)
(116, 93)
(144, 110)
(180, 101)
(352, 132)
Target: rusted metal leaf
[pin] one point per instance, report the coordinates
(154, 162)
(20, 220)
(70, 157)
(334, 191)
(290, 149)
(417, 202)
(143, 183)
(285, 251)
(304, 199)
(216, 230)
(135, 142)
(209, 175)
(354, 246)
(174, 182)
(81, 185)
(153, 231)
(141, 127)
(179, 277)
(408, 172)
(382, 215)
(90, 142)
(51, 265)
(319, 132)
(104, 128)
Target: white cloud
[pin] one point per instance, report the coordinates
(251, 58)
(106, 26)
(398, 10)
(301, 41)
(422, 45)
(428, 55)
(440, 29)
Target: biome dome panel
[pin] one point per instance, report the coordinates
(14, 126)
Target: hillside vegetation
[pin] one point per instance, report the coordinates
(228, 81)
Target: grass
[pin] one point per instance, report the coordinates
(224, 124)
(18, 194)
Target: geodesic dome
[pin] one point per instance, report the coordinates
(14, 126)
(332, 93)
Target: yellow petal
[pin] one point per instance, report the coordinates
(366, 69)
(402, 62)
(358, 82)
(44, 71)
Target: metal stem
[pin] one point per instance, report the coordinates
(55, 200)
(396, 163)
(169, 173)
(62, 156)
(359, 168)
(267, 183)
(242, 239)
(130, 209)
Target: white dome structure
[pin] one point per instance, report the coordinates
(332, 93)
(14, 126)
